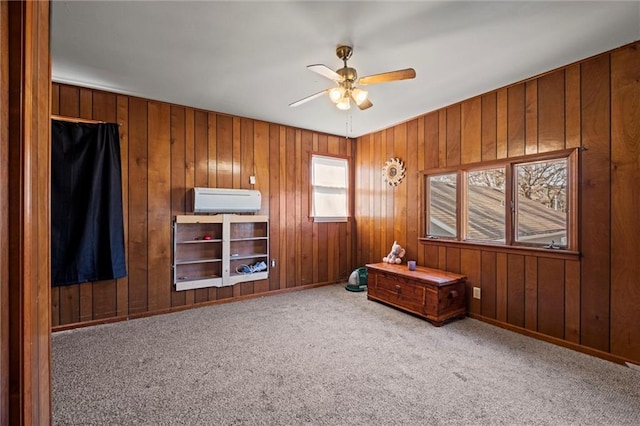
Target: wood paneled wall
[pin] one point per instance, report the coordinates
(592, 302)
(25, 327)
(168, 149)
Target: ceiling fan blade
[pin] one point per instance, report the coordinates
(325, 71)
(308, 98)
(364, 104)
(384, 77)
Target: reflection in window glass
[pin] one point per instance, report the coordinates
(486, 205)
(442, 206)
(541, 206)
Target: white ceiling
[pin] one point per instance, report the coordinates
(249, 58)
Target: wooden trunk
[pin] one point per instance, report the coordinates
(429, 293)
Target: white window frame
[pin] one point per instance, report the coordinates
(339, 187)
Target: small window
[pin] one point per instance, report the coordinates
(442, 206)
(329, 187)
(486, 205)
(541, 203)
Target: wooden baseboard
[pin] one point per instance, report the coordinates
(556, 341)
(186, 307)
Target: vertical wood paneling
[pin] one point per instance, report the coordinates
(572, 106)
(489, 126)
(471, 137)
(515, 290)
(515, 120)
(178, 178)
(389, 195)
(290, 253)
(274, 205)
(224, 151)
(442, 138)
(625, 202)
(306, 226)
(202, 140)
(489, 285)
(138, 266)
(86, 104)
(122, 117)
(431, 256)
(502, 131)
(453, 135)
(284, 165)
(159, 216)
(25, 167)
(595, 205)
(411, 238)
(531, 117)
(551, 122)
(261, 170)
(501, 287)
(551, 297)
(377, 198)
(420, 188)
(471, 266)
(400, 192)
(442, 258)
(5, 365)
(453, 260)
(531, 293)
(572, 301)
(190, 173)
(431, 140)
(69, 101)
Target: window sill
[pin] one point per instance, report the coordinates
(522, 250)
(330, 219)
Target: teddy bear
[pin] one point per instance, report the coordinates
(395, 255)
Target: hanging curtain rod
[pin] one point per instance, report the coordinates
(78, 120)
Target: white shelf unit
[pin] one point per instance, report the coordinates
(209, 251)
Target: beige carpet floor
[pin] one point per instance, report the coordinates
(327, 357)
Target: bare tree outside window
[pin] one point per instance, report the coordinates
(542, 203)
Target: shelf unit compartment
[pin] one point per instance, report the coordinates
(197, 233)
(187, 253)
(247, 230)
(233, 241)
(198, 271)
(247, 248)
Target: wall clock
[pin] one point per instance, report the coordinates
(393, 171)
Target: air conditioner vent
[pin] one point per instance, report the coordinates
(222, 200)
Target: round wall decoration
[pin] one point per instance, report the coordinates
(393, 171)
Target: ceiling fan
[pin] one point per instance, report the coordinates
(346, 79)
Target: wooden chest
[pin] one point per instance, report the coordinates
(429, 293)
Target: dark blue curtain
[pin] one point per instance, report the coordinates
(87, 232)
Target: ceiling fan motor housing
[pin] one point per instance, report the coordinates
(349, 74)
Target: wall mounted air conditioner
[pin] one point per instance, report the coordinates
(221, 200)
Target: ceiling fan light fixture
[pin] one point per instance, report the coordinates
(359, 95)
(336, 94)
(344, 103)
